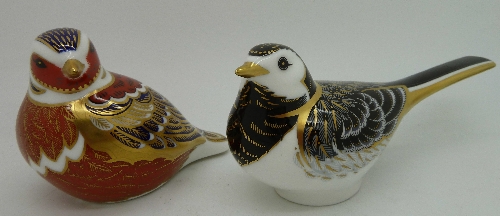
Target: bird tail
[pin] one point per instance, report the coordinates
(213, 137)
(428, 82)
(215, 144)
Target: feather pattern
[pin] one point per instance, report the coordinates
(141, 117)
(344, 129)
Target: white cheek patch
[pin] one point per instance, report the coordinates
(59, 59)
(283, 83)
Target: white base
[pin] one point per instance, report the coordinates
(320, 197)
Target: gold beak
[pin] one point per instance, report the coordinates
(250, 69)
(72, 68)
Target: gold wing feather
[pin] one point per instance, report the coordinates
(140, 126)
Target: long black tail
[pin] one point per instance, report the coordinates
(428, 82)
(440, 71)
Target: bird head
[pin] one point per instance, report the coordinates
(278, 68)
(64, 60)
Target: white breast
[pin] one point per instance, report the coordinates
(279, 170)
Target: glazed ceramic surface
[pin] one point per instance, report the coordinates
(313, 141)
(98, 135)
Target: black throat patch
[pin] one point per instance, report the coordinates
(252, 130)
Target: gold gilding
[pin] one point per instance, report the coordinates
(36, 90)
(73, 68)
(58, 39)
(101, 139)
(303, 113)
(416, 96)
(250, 69)
(62, 91)
(69, 91)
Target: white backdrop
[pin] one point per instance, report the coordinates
(443, 160)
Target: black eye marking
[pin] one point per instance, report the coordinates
(39, 63)
(283, 63)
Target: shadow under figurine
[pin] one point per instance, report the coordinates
(98, 135)
(313, 141)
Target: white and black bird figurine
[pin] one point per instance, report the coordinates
(98, 135)
(313, 141)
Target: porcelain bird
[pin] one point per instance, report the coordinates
(98, 135)
(313, 141)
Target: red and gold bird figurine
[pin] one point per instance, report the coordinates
(98, 135)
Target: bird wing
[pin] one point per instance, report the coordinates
(139, 122)
(348, 119)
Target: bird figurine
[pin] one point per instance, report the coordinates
(98, 135)
(313, 141)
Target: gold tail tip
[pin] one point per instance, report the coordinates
(214, 137)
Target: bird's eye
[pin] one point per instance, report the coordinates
(39, 63)
(283, 63)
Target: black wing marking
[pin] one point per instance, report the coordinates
(348, 118)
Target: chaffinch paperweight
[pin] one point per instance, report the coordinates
(98, 135)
